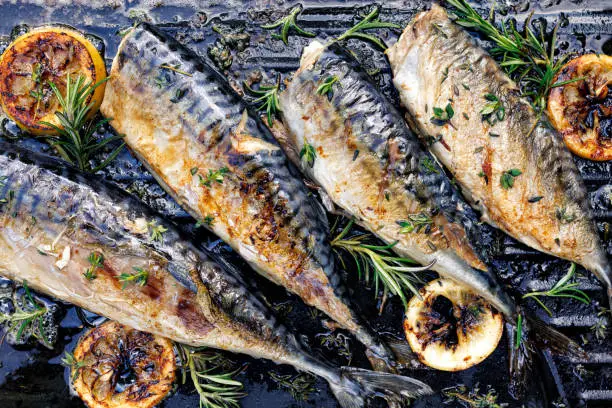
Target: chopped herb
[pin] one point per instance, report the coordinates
(564, 216)
(355, 154)
(326, 87)
(482, 174)
(535, 199)
(157, 231)
(308, 154)
(507, 178)
(178, 95)
(268, 96)
(193, 171)
(465, 86)
(161, 81)
(387, 195)
(288, 22)
(370, 22)
(493, 109)
(217, 176)
(444, 75)
(479, 149)
(139, 278)
(209, 220)
(491, 134)
(441, 116)
(428, 165)
(416, 223)
(465, 116)
(438, 28)
(562, 289)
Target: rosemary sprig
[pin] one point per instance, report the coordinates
(369, 22)
(139, 277)
(377, 262)
(288, 22)
(215, 386)
(563, 289)
(75, 141)
(267, 95)
(308, 154)
(528, 57)
(22, 319)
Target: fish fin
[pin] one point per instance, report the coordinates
(357, 384)
(243, 143)
(404, 355)
(535, 336)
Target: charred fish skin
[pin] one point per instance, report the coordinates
(546, 207)
(217, 159)
(48, 209)
(356, 131)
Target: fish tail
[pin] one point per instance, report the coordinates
(355, 385)
(535, 336)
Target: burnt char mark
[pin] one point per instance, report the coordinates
(188, 311)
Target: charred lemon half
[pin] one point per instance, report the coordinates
(117, 366)
(582, 110)
(37, 58)
(450, 328)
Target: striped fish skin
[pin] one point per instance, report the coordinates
(435, 61)
(373, 167)
(192, 124)
(47, 208)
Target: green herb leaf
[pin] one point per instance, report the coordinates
(267, 95)
(288, 23)
(370, 22)
(308, 154)
(507, 178)
(139, 277)
(441, 116)
(216, 176)
(326, 87)
(416, 223)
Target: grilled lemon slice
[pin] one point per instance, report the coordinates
(582, 110)
(450, 328)
(117, 366)
(43, 55)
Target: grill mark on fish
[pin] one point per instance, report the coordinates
(523, 140)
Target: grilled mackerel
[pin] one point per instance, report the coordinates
(511, 164)
(222, 165)
(52, 219)
(372, 166)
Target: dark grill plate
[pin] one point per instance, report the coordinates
(32, 376)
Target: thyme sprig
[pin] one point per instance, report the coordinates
(73, 364)
(96, 261)
(75, 140)
(416, 223)
(527, 57)
(267, 96)
(26, 319)
(213, 383)
(288, 22)
(369, 22)
(300, 386)
(139, 277)
(564, 288)
(378, 263)
(472, 398)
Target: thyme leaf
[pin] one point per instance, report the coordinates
(139, 277)
(308, 154)
(507, 178)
